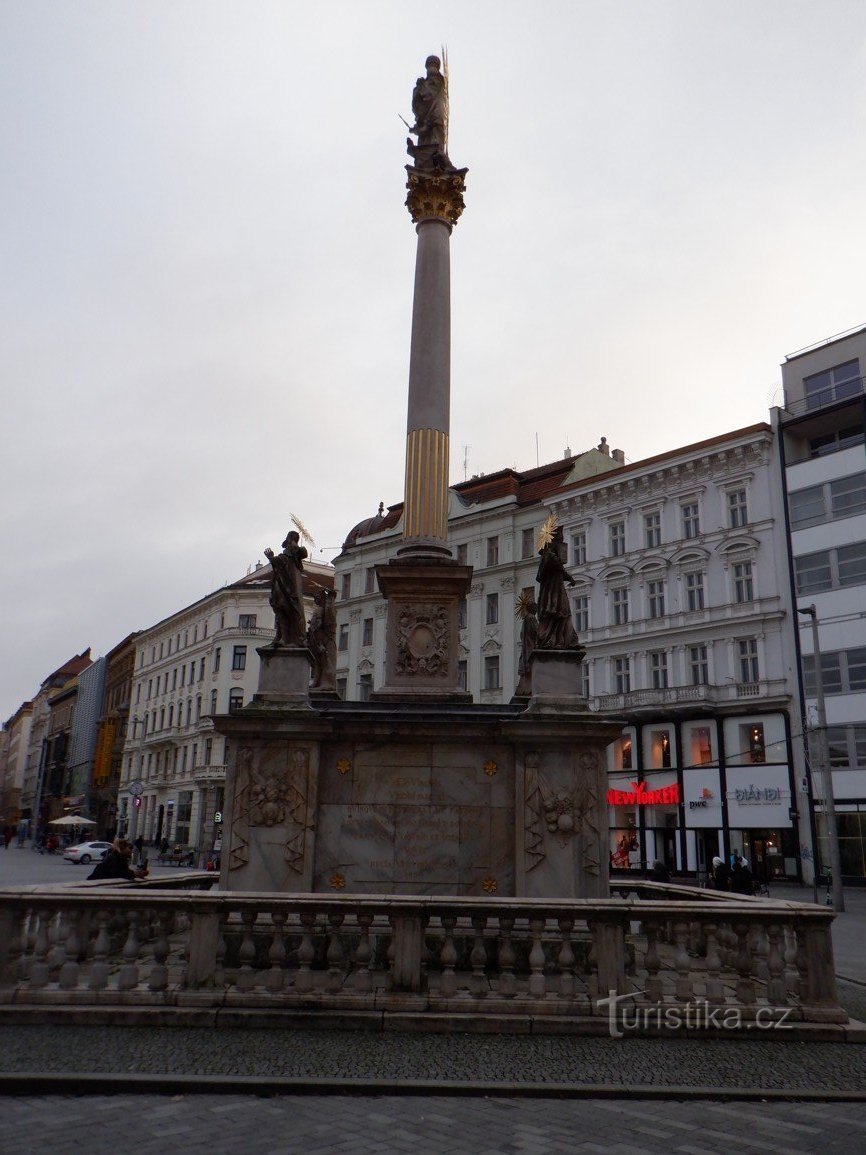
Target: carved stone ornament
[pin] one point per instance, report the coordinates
(435, 195)
(422, 640)
(490, 768)
(270, 797)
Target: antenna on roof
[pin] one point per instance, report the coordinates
(537, 462)
(466, 449)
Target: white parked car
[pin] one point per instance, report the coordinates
(86, 852)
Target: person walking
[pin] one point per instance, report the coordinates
(721, 874)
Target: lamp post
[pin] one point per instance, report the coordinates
(824, 759)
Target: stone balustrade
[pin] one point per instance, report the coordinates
(667, 956)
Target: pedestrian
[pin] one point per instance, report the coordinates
(8, 835)
(139, 850)
(660, 872)
(741, 878)
(721, 874)
(115, 863)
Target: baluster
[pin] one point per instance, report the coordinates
(13, 943)
(776, 995)
(69, 972)
(57, 931)
(745, 983)
(128, 975)
(801, 960)
(219, 969)
(306, 952)
(448, 957)
(335, 954)
(39, 968)
(391, 952)
(478, 957)
(158, 980)
(276, 976)
(507, 979)
(565, 959)
(100, 968)
(364, 954)
(683, 964)
(652, 962)
(536, 959)
(247, 952)
(592, 964)
(715, 991)
(790, 959)
(758, 945)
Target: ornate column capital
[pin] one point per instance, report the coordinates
(435, 195)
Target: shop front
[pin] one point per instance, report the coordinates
(760, 819)
(644, 822)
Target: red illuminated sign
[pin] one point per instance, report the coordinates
(640, 796)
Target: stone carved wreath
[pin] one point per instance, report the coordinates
(422, 641)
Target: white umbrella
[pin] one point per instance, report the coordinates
(71, 820)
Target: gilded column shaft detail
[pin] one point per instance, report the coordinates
(427, 460)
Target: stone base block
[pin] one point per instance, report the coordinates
(284, 676)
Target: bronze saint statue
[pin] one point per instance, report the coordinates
(527, 609)
(430, 108)
(555, 628)
(287, 592)
(322, 640)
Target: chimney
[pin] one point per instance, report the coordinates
(619, 455)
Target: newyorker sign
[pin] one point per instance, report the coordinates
(640, 796)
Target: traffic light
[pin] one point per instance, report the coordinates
(138, 802)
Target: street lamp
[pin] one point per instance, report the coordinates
(824, 759)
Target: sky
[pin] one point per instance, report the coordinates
(206, 264)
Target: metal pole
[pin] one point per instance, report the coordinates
(824, 758)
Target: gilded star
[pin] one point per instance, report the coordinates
(548, 530)
(344, 765)
(490, 885)
(490, 768)
(337, 882)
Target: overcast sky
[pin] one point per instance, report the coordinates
(206, 267)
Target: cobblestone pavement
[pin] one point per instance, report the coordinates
(194, 1125)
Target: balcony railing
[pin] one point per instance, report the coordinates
(519, 963)
(829, 395)
(710, 695)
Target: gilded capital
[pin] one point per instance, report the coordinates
(435, 195)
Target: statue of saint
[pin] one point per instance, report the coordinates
(322, 640)
(527, 609)
(555, 628)
(430, 108)
(287, 592)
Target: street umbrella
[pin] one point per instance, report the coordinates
(71, 820)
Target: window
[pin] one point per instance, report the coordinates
(701, 742)
(346, 586)
(652, 523)
(527, 542)
(578, 548)
(619, 606)
(752, 747)
(236, 700)
(370, 580)
(694, 592)
(832, 676)
(462, 553)
(208, 750)
(198, 708)
(492, 618)
(247, 621)
(182, 676)
(831, 569)
(846, 746)
(833, 384)
(162, 717)
(743, 585)
(491, 672)
(621, 675)
(462, 674)
(343, 638)
(493, 551)
(698, 666)
(200, 669)
(831, 501)
(213, 701)
(342, 683)
(658, 664)
(365, 687)
(656, 598)
(367, 633)
(833, 442)
(747, 649)
(216, 662)
(660, 750)
(170, 716)
(616, 538)
(691, 519)
(583, 680)
(462, 613)
(581, 613)
(239, 658)
(623, 753)
(738, 513)
(174, 678)
(189, 711)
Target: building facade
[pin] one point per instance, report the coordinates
(16, 731)
(199, 662)
(681, 598)
(111, 734)
(823, 475)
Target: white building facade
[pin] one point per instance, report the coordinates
(199, 662)
(823, 470)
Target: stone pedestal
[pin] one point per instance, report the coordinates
(417, 798)
(422, 633)
(555, 680)
(284, 676)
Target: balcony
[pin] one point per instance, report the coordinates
(825, 398)
(208, 775)
(769, 689)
